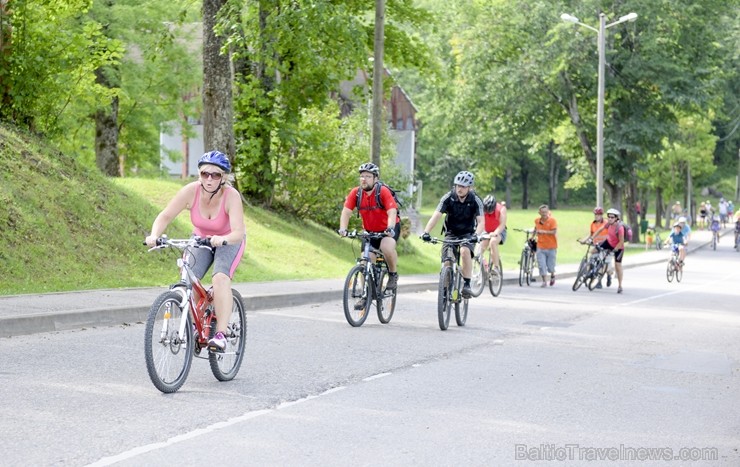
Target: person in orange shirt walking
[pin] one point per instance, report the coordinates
(598, 225)
(546, 228)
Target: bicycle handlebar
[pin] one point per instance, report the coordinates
(182, 243)
(453, 241)
(364, 234)
(529, 231)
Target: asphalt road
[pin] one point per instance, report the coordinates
(537, 374)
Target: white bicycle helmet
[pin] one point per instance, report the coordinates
(370, 167)
(464, 178)
(614, 212)
(682, 219)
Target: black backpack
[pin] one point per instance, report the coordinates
(378, 202)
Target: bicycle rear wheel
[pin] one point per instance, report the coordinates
(597, 273)
(386, 304)
(225, 365)
(478, 280)
(444, 297)
(356, 297)
(168, 354)
(461, 312)
(495, 278)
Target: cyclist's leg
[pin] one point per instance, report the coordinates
(542, 266)
(388, 246)
(467, 250)
(226, 260)
(485, 245)
(618, 267)
(494, 247)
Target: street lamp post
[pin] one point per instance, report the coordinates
(601, 32)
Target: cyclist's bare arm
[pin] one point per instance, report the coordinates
(177, 204)
(432, 221)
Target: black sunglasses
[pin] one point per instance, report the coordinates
(213, 175)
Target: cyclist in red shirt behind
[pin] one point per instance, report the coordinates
(375, 218)
(494, 215)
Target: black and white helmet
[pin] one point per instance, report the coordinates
(489, 203)
(614, 212)
(370, 167)
(464, 178)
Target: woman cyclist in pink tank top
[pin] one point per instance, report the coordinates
(217, 213)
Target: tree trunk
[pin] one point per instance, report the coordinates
(525, 188)
(508, 187)
(554, 170)
(218, 112)
(659, 207)
(631, 208)
(377, 132)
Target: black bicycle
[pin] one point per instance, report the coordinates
(593, 266)
(451, 282)
(528, 259)
(366, 283)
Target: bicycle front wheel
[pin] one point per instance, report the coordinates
(444, 297)
(530, 267)
(582, 269)
(523, 268)
(225, 365)
(670, 270)
(168, 354)
(495, 278)
(387, 301)
(478, 280)
(357, 298)
(679, 272)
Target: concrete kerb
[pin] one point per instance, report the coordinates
(28, 314)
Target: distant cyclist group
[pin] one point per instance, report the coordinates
(189, 316)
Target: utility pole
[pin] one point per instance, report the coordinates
(377, 132)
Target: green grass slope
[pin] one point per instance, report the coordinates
(66, 227)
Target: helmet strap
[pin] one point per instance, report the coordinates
(213, 193)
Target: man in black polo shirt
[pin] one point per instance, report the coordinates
(464, 219)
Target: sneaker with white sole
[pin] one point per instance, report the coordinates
(218, 342)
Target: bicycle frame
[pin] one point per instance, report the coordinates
(373, 272)
(169, 347)
(197, 300)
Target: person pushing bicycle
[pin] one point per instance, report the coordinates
(379, 213)
(217, 213)
(614, 240)
(464, 219)
(597, 225)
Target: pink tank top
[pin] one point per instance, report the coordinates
(219, 225)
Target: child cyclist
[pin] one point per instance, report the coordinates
(715, 226)
(678, 242)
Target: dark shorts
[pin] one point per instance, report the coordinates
(225, 259)
(375, 242)
(617, 253)
(449, 250)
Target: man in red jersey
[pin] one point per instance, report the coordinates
(376, 217)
